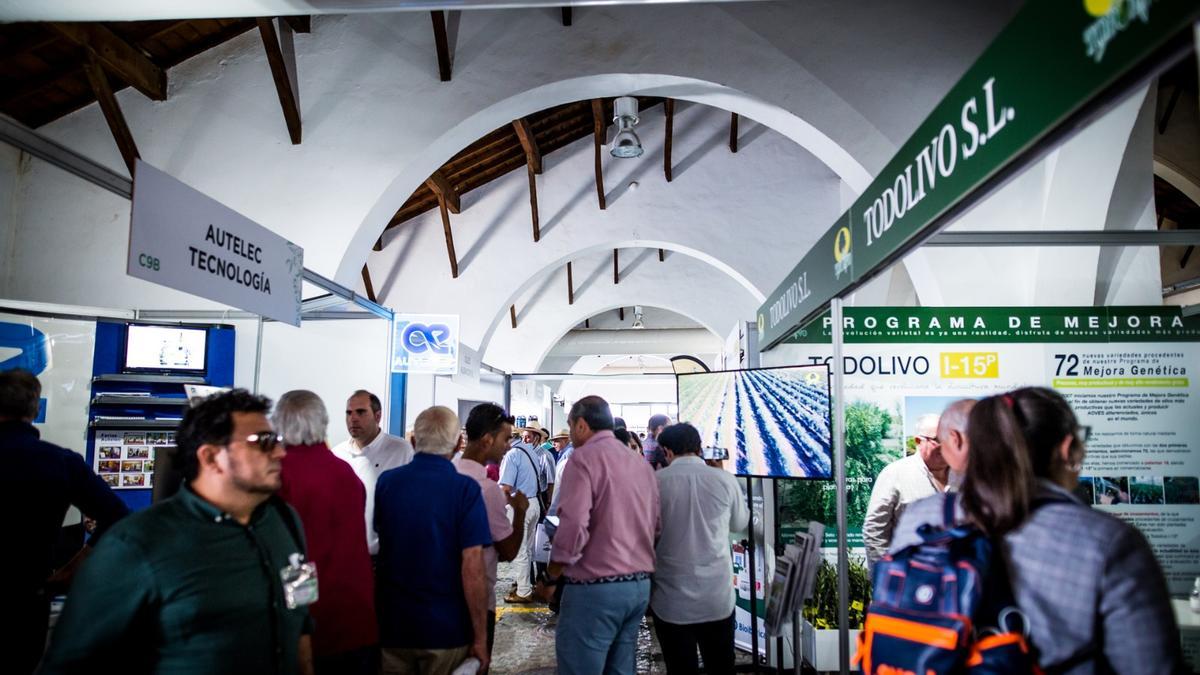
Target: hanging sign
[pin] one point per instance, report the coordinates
(183, 239)
(1046, 64)
(425, 343)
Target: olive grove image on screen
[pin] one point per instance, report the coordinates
(773, 421)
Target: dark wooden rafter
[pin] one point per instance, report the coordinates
(112, 111)
(512, 313)
(669, 110)
(281, 56)
(1170, 109)
(533, 163)
(118, 57)
(299, 24)
(570, 284)
(621, 313)
(599, 127)
(587, 323)
(529, 144)
(443, 210)
(442, 42)
(444, 190)
(733, 132)
(370, 287)
(567, 16)
(1187, 255)
(662, 255)
(616, 267)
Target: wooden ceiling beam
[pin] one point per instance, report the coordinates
(118, 56)
(533, 164)
(449, 237)
(442, 43)
(621, 313)
(669, 106)
(445, 191)
(529, 144)
(102, 88)
(512, 313)
(370, 288)
(567, 16)
(570, 284)
(281, 56)
(598, 127)
(616, 267)
(299, 24)
(662, 255)
(733, 132)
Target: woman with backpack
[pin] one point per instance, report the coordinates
(1093, 596)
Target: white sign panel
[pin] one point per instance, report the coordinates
(468, 367)
(425, 343)
(181, 238)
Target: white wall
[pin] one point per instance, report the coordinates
(330, 358)
(10, 159)
(424, 391)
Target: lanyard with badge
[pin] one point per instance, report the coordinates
(299, 576)
(299, 582)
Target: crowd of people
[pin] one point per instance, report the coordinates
(279, 554)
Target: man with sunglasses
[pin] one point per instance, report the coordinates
(901, 483)
(211, 580)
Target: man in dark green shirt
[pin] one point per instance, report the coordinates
(193, 584)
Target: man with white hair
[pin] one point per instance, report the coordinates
(327, 494)
(901, 483)
(433, 527)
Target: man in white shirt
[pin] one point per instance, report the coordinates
(370, 451)
(692, 599)
(901, 483)
(524, 470)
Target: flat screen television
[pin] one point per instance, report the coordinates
(165, 349)
(772, 422)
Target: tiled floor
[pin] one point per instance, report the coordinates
(525, 637)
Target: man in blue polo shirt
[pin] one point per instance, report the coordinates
(432, 586)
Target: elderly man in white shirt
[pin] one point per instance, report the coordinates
(370, 451)
(692, 598)
(901, 483)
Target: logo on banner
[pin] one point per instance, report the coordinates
(842, 257)
(1112, 17)
(426, 343)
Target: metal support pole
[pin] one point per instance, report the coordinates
(508, 394)
(387, 370)
(839, 464)
(258, 354)
(750, 557)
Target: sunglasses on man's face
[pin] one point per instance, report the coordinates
(265, 440)
(929, 439)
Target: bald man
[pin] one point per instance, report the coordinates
(901, 483)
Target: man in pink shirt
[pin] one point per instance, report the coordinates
(604, 547)
(488, 429)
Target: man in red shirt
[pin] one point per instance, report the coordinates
(328, 495)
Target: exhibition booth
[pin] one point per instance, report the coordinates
(1066, 293)
(849, 351)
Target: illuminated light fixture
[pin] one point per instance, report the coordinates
(637, 310)
(625, 116)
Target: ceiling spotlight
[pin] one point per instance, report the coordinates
(637, 317)
(625, 116)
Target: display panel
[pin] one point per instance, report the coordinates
(773, 422)
(165, 349)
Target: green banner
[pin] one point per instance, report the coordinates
(967, 325)
(1053, 58)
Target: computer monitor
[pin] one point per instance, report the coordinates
(165, 349)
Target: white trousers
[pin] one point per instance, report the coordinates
(524, 559)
